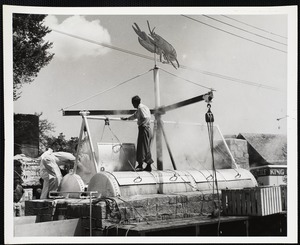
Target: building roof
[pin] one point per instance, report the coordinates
(271, 147)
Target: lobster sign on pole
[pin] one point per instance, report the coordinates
(156, 44)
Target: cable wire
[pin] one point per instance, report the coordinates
(233, 34)
(241, 29)
(104, 45)
(231, 78)
(254, 27)
(106, 90)
(211, 89)
(181, 66)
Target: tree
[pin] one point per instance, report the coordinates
(60, 143)
(47, 140)
(30, 51)
(45, 130)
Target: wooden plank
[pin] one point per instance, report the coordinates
(230, 208)
(259, 204)
(244, 202)
(100, 112)
(238, 202)
(70, 227)
(283, 198)
(248, 198)
(252, 202)
(280, 200)
(180, 223)
(283, 192)
(263, 195)
(269, 200)
(187, 102)
(224, 201)
(275, 198)
(234, 202)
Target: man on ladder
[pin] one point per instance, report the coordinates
(143, 116)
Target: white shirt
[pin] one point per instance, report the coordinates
(142, 114)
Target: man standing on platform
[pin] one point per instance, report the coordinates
(143, 116)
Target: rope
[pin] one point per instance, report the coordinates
(106, 90)
(121, 147)
(209, 120)
(187, 80)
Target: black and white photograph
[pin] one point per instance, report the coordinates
(175, 123)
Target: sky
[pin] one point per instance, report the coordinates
(243, 58)
(246, 55)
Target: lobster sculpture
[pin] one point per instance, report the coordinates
(156, 44)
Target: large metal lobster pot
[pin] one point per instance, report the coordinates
(168, 182)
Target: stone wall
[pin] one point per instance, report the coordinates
(107, 212)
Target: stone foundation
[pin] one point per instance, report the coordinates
(107, 212)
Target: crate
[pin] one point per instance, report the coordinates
(283, 189)
(257, 201)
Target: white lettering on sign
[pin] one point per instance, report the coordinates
(276, 171)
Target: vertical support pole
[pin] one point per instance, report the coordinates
(159, 155)
(78, 147)
(168, 146)
(84, 115)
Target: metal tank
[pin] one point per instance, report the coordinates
(110, 184)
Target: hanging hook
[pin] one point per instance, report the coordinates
(106, 120)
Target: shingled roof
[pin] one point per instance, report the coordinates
(270, 148)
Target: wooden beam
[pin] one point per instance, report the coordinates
(208, 96)
(101, 112)
(161, 110)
